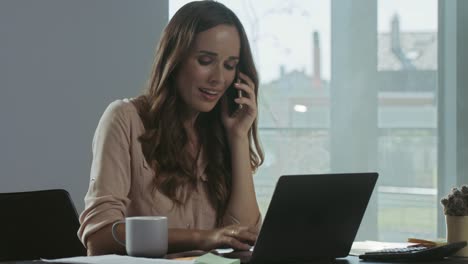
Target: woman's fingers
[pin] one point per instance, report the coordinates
(247, 80)
(248, 98)
(244, 237)
(236, 244)
(253, 230)
(243, 234)
(248, 235)
(235, 236)
(248, 91)
(246, 101)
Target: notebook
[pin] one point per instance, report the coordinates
(311, 218)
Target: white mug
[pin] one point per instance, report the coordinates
(145, 236)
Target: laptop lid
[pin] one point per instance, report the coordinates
(313, 217)
(39, 224)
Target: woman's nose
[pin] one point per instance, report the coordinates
(217, 76)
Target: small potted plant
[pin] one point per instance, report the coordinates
(456, 216)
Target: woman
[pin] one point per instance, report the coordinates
(176, 150)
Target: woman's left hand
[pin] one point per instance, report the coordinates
(240, 122)
(236, 236)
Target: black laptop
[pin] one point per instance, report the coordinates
(39, 224)
(311, 218)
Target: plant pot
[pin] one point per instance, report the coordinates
(457, 230)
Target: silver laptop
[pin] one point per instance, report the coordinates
(311, 218)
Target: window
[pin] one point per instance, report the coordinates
(407, 118)
(350, 86)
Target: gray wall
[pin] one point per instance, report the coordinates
(61, 63)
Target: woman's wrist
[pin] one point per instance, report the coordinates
(201, 239)
(236, 138)
(186, 239)
(197, 238)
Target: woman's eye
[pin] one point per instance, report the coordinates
(230, 66)
(204, 60)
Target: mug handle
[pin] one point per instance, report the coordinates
(114, 234)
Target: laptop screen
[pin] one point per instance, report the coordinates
(313, 217)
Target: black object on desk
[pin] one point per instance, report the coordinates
(38, 224)
(311, 219)
(413, 254)
(347, 260)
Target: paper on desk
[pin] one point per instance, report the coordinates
(361, 247)
(116, 259)
(214, 259)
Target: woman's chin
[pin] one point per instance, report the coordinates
(205, 108)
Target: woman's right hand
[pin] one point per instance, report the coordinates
(237, 237)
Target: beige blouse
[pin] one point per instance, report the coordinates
(122, 183)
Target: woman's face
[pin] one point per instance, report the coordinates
(209, 68)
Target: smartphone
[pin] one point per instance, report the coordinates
(233, 93)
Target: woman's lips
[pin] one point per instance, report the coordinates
(209, 94)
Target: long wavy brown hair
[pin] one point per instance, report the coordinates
(165, 140)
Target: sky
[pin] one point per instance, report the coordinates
(280, 31)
